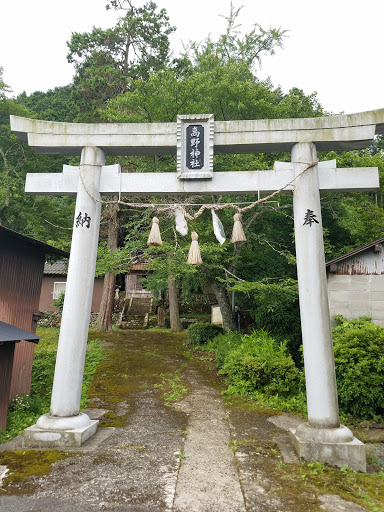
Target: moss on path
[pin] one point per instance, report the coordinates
(157, 397)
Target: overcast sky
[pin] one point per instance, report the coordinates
(334, 47)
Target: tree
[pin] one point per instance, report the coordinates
(54, 105)
(108, 61)
(216, 77)
(104, 317)
(47, 219)
(4, 88)
(232, 46)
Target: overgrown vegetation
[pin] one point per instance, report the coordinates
(25, 409)
(258, 367)
(202, 332)
(359, 361)
(274, 306)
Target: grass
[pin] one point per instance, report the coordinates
(25, 409)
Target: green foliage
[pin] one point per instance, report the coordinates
(261, 364)
(275, 308)
(54, 105)
(353, 219)
(24, 410)
(359, 362)
(4, 88)
(108, 61)
(200, 333)
(172, 387)
(41, 217)
(223, 344)
(59, 302)
(236, 47)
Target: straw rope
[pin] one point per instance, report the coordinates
(216, 207)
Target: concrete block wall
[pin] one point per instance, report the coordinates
(357, 295)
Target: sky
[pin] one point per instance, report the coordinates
(333, 47)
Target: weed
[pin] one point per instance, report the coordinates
(233, 445)
(172, 387)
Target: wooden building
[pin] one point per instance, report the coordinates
(21, 273)
(356, 283)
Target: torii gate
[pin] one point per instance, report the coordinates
(322, 437)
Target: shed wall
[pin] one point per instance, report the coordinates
(21, 272)
(354, 295)
(6, 363)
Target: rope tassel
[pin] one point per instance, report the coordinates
(194, 257)
(238, 232)
(154, 238)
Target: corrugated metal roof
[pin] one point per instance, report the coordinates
(9, 332)
(58, 268)
(355, 251)
(49, 249)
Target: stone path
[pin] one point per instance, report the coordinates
(207, 478)
(199, 455)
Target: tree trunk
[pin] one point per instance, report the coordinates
(223, 301)
(173, 305)
(104, 318)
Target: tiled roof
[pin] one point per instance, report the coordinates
(58, 268)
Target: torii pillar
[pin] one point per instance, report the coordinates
(321, 438)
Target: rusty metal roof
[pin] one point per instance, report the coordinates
(9, 332)
(355, 251)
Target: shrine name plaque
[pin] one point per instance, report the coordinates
(195, 146)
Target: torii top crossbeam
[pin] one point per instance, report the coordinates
(340, 132)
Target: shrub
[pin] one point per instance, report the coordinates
(359, 362)
(222, 344)
(59, 302)
(200, 333)
(255, 362)
(275, 308)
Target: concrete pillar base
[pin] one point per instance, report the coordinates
(54, 432)
(335, 446)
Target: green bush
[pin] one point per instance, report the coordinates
(274, 308)
(222, 344)
(359, 362)
(59, 302)
(200, 333)
(255, 362)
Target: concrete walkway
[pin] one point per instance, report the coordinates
(197, 455)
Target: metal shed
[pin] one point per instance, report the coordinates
(356, 282)
(9, 336)
(21, 272)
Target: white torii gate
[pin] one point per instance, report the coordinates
(322, 437)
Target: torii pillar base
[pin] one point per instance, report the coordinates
(335, 446)
(56, 432)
